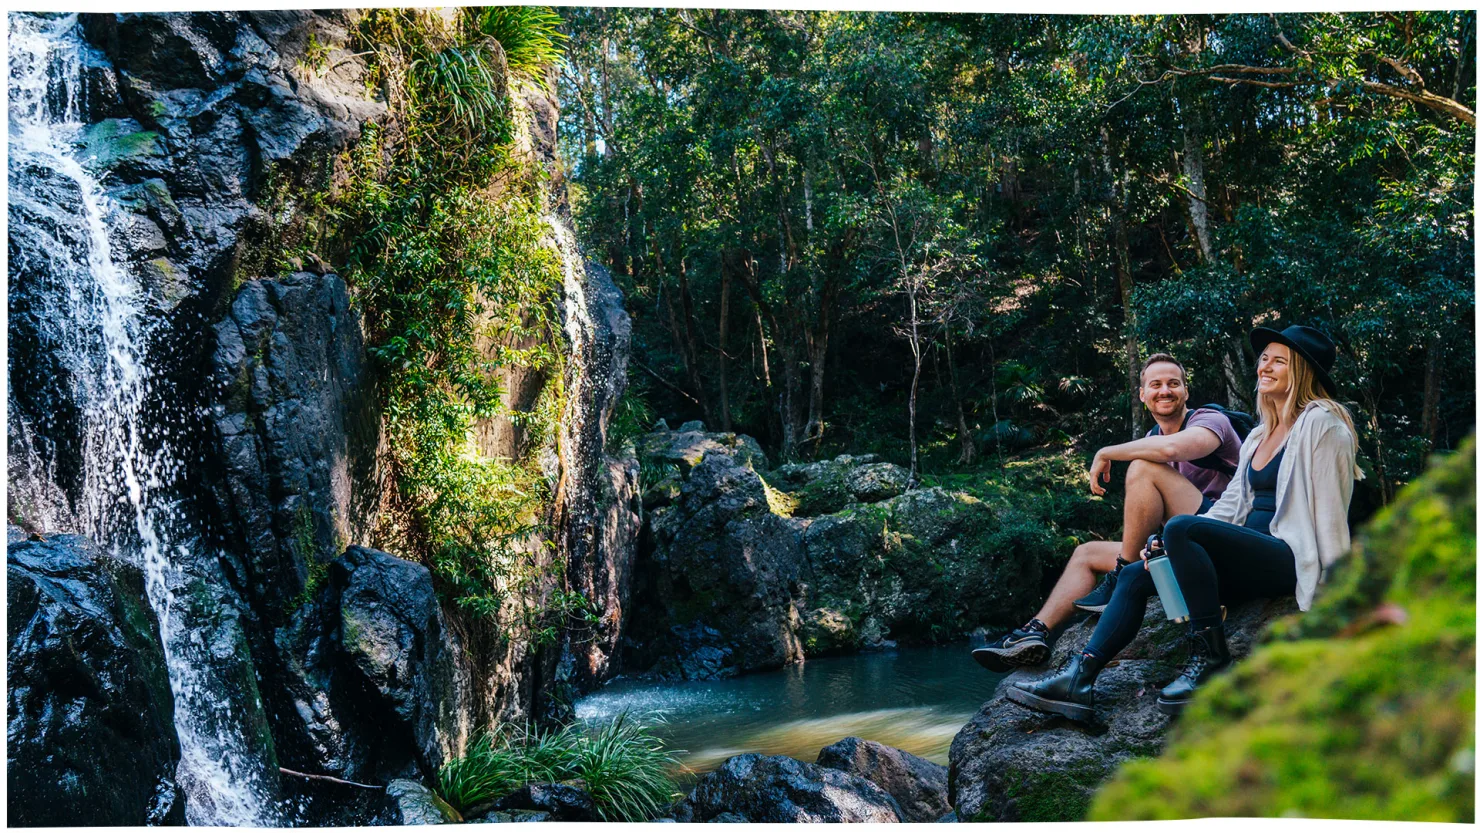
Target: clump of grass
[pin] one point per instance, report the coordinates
(621, 764)
(529, 35)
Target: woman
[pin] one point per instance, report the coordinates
(1279, 524)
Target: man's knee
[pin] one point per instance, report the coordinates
(1141, 470)
(1098, 556)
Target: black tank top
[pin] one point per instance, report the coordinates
(1262, 484)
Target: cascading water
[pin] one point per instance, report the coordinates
(61, 221)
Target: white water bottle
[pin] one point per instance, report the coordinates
(1165, 579)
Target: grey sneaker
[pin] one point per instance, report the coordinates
(1027, 645)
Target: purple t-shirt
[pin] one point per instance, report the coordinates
(1211, 482)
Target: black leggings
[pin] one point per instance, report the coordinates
(1215, 562)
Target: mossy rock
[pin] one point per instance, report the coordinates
(1364, 708)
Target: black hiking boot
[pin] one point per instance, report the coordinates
(1069, 693)
(1100, 596)
(1209, 656)
(1027, 645)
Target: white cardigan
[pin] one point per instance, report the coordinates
(1313, 491)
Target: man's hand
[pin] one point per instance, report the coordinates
(1098, 470)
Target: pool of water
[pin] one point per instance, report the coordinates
(914, 699)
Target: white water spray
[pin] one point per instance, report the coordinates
(104, 346)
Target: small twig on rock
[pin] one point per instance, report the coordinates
(330, 778)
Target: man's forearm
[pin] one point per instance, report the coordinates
(1151, 449)
(1184, 445)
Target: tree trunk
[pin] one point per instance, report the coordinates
(817, 339)
(914, 383)
(1125, 282)
(1194, 171)
(1433, 380)
(724, 340)
(963, 434)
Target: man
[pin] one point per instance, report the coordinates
(1179, 468)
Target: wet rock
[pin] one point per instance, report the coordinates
(722, 564)
(562, 801)
(692, 425)
(91, 735)
(602, 510)
(375, 676)
(729, 818)
(686, 448)
(419, 805)
(918, 785)
(1014, 764)
(761, 788)
(297, 429)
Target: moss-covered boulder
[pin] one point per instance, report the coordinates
(734, 576)
(1361, 708)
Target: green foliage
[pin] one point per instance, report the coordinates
(1029, 183)
(529, 36)
(1364, 707)
(443, 233)
(621, 763)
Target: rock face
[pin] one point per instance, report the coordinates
(1014, 764)
(376, 681)
(734, 581)
(919, 786)
(761, 788)
(297, 430)
(90, 710)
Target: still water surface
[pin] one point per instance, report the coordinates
(914, 699)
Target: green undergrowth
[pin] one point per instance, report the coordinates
(1362, 707)
(621, 764)
(439, 222)
(1047, 486)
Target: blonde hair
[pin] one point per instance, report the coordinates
(1305, 388)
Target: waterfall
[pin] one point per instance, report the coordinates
(63, 228)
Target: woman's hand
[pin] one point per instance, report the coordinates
(1098, 470)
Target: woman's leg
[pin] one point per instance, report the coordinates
(1217, 562)
(1122, 618)
(1071, 691)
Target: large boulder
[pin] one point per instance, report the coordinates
(374, 671)
(918, 785)
(1010, 763)
(736, 579)
(774, 788)
(416, 805)
(827, 486)
(563, 802)
(722, 562)
(91, 733)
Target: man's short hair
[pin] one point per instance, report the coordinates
(1163, 357)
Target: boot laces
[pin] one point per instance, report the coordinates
(1199, 649)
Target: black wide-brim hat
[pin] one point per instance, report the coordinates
(1317, 348)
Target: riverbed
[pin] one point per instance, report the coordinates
(915, 699)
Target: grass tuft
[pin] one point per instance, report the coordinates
(621, 764)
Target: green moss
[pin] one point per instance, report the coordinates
(1059, 795)
(113, 140)
(1363, 707)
